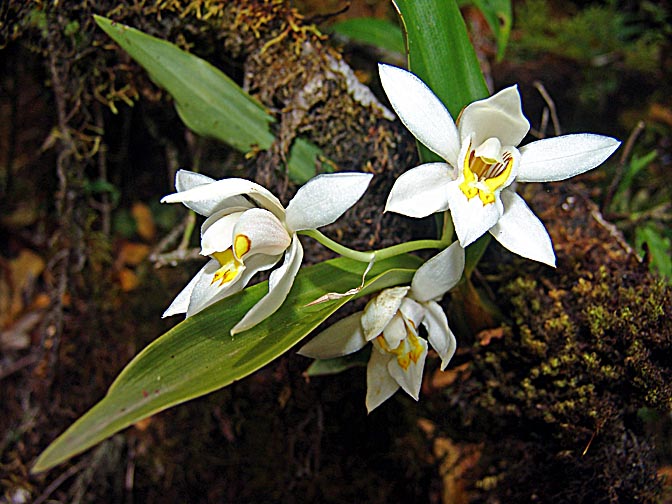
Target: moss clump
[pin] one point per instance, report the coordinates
(585, 348)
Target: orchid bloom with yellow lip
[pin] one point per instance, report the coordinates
(482, 163)
(390, 321)
(247, 230)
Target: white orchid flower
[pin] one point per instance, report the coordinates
(390, 322)
(247, 230)
(482, 162)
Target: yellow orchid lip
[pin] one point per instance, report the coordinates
(483, 175)
(409, 349)
(231, 261)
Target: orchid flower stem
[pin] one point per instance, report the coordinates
(376, 255)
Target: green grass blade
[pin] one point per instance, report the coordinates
(199, 356)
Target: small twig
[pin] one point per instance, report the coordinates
(551, 106)
(18, 365)
(71, 471)
(175, 257)
(620, 169)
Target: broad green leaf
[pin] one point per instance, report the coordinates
(207, 100)
(199, 356)
(324, 367)
(440, 52)
(372, 31)
(474, 252)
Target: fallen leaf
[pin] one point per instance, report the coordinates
(127, 279)
(132, 254)
(487, 335)
(18, 280)
(144, 221)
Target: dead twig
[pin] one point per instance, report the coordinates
(541, 133)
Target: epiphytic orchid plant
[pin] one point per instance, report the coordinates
(233, 328)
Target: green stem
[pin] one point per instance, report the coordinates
(376, 255)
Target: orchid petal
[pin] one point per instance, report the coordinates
(410, 379)
(471, 218)
(279, 284)
(266, 234)
(395, 331)
(185, 180)
(520, 231)
(181, 302)
(440, 337)
(341, 338)
(324, 198)
(500, 116)
(206, 293)
(412, 311)
(217, 231)
(380, 386)
(563, 157)
(210, 197)
(380, 310)
(421, 191)
(421, 111)
(439, 274)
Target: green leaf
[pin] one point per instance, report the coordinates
(660, 249)
(372, 31)
(440, 53)
(199, 356)
(207, 100)
(324, 367)
(498, 15)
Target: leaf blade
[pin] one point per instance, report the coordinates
(199, 356)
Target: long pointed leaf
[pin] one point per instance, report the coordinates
(207, 100)
(440, 52)
(199, 356)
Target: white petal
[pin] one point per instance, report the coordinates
(520, 231)
(421, 111)
(395, 331)
(205, 293)
(185, 179)
(380, 386)
(201, 292)
(210, 197)
(217, 231)
(266, 233)
(412, 311)
(421, 191)
(380, 310)
(441, 337)
(341, 338)
(471, 218)
(324, 198)
(438, 275)
(410, 379)
(279, 284)
(563, 157)
(500, 116)
(181, 302)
